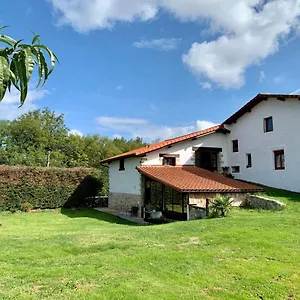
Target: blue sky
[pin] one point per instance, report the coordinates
(157, 68)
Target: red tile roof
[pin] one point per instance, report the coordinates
(144, 150)
(256, 100)
(194, 179)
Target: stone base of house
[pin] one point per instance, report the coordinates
(123, 202)
(239, 199)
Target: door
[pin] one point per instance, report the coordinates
(206, 159)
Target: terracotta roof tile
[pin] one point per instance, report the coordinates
(159, 145)
(194, 179)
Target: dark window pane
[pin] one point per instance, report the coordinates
(169, 161)
(122, 165)
(249, 160)
(235, 146)
(268, 124)
(279, 160)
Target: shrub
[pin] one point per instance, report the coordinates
(221, 206)
(26, 207)
(25, 188)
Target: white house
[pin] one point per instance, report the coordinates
(259, 143)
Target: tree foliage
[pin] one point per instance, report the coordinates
(18, 61)
(40, 138)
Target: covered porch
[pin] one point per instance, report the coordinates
(162, 201)
(169, 191)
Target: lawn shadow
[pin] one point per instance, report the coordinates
(95, 214)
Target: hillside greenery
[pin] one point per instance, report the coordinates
(40, 138)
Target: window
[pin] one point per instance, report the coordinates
(279, 160)
(169, 161)
(122, 165)
(268, 124)
(235, 146)
(249, 160)
(235, 169)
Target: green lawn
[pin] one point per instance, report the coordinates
(86, 254)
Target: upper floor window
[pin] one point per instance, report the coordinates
(249, 160)
(169, 161)
(268, 124)
(279, 159)
(122, 164)
(235, 146)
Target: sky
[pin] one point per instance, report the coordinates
(156, 68)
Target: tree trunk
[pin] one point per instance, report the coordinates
(48, 159)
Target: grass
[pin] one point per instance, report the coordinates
(85, 254)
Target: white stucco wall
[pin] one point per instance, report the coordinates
(127, 181)
(249, 130)
(184, 149)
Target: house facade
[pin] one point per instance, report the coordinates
(259, 143)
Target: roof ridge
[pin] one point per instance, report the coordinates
(165, 143)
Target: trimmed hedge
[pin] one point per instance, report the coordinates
(47, 187)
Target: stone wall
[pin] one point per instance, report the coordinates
(254, 201)
(239, 199)
(195, 212)
(123, 202)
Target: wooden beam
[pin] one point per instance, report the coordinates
(281, 98)
(168, 155)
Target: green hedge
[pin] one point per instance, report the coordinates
(47, 187)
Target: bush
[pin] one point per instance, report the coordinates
(26, 207)
(221, 206)
(25, 188)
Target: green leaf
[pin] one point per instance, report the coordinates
(16, 45)
(44, 67)
(35, 39)
(21, 69)
(14, 72)
(2, 27)
(4, 74)
(29, 63)
(37, 53)
(6, 42)
(53, 57)
(8, 38)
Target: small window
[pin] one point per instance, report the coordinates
(169, 161)
(279, 160)
(249, 160)
(268, 124)
(235, 146)
(122, 165)
(235, 169)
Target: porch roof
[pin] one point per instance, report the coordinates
(193, 179)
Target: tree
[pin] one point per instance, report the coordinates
(17, 63)
(36, 138)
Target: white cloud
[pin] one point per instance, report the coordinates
(75, 132)
(262, 76)
(9, 107)
(119, 87)
(86, 15)
(166, 44)
(147, 130)
(247, 31)
(206, 85)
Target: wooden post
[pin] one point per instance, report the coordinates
(163, 189)
(207, 207)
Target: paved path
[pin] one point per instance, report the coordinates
(122, 215)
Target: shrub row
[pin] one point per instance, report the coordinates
(27, 187)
